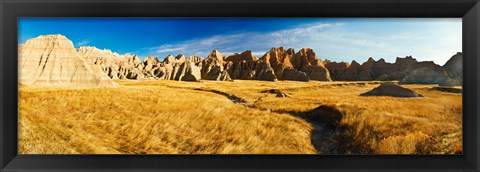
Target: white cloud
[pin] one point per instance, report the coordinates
(335, 41)
(164, 49)
(82, 42)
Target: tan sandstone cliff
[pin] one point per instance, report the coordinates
(51, 60)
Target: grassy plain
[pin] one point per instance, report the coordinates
(172, 117)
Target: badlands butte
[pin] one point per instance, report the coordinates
(53, 60)
(91, 101)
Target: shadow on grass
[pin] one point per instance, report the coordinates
(327, 136)
(324, 120)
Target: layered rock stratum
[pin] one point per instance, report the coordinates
(53, 60)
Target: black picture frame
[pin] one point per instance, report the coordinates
(469, 10)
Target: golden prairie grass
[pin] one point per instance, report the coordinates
(407, 144)
(158, 117)
(136, 120)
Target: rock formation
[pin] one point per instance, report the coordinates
(338, 70)
(185, 71)
(425, 75)
(116, 66)
(276, 64)
(177, 68)
(279, 60)
(454, 67)
(307, 61)
(301, 66)
(248, 67)
(195, 59)
(213, 67)
(406, 70)
(450, 74)
(245, 56)
(104, 58)
(149, 64)
(52, 60)
(391, 89)
(131, 67)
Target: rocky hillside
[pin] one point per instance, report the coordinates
(301, 66)
(52, 60)
(454, 68)
(406, 70)
(276, 64)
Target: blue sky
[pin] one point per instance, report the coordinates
(337, 39)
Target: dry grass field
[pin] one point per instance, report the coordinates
(210, 117)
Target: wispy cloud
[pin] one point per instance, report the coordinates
(335, 41)
(228, 44)
(82, 43)
(165, 49)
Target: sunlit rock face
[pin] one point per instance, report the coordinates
(407, 70)
(116, 66)
(52, 60)
(131, 67)
(248, 67)
(301, 66)
(307, 61)
(213, 67)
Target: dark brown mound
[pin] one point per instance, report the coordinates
(282, 94)
(273, 91)
(447, 89)
(277, 93)
(328, 116)
(391, 89)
